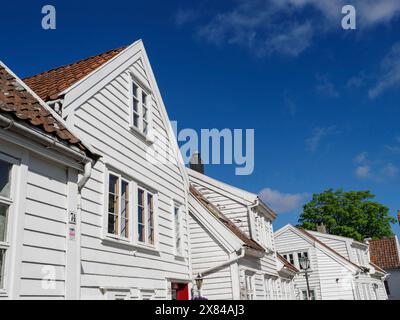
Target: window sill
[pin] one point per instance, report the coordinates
(110, 241)
(179, 257)
(146, 247)
(128, 245)
(141, 136)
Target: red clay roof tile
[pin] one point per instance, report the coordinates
(385, 253)
(18, 103)
(48, 85)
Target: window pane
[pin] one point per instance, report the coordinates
(112, 224)
(2, 258)
(5, 172)
(135, 105)
(140, 232)
(141, 218)
(113, 204)
(3, 222)
(150, 216)
(113, 184)
(125, 209)
(135, 90)
(144, 98)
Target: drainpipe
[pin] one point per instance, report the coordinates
(86, 175)
(226, 263)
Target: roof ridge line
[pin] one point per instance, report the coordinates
(76, 62)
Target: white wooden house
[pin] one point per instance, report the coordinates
(109, 218)
(232, 246)
(134, 208)
(340, 268)
(42, 167)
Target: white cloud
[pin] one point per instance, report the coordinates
(390, 170)
(282, 202)
(318, 135)
(280, 26)
(361, 158)
(390, 74)
(325, 87)
(363, 171)
(184, 16)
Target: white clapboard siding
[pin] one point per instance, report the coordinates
(206, 252)
(288, 242)
(44, 238)
(103, 120)
(329, 271)
(336, 244)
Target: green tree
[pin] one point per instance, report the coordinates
(351, 214)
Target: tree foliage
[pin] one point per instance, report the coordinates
(351, 214)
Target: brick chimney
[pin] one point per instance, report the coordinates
(321, 228)
(196, 164)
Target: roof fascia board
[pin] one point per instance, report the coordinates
(224, 236)
(78, 94)
(322, 248)
(227, 190)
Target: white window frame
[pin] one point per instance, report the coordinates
(268, 290)
(9, 202)
(262, 230)
(141, 91)
(146, 243)
(296, 258)
(250, 285)
(312, 293)
(179, 252)
(132, 239)
(130, 199)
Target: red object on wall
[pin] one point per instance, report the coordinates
(180, 291)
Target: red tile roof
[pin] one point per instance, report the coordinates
(286, 263)
(18, 103)
(228, 223)
(48, 85)
(385, 253)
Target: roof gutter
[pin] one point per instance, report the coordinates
(50, 143)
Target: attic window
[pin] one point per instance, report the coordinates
(140, 109)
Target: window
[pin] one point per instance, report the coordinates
(312, 294)
(289, 258)
(178, 231)
(145, 218)
(268, 288)
(250, 286)
(141, 111)
(118, 206)
(262, 230)
(5, 203)
(294, 258)
(135, 106)
(299, 256)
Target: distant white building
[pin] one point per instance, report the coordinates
(232, 245)
(340, 268)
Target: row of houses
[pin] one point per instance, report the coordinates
(96, 203)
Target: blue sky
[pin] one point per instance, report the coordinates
(323, 101)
